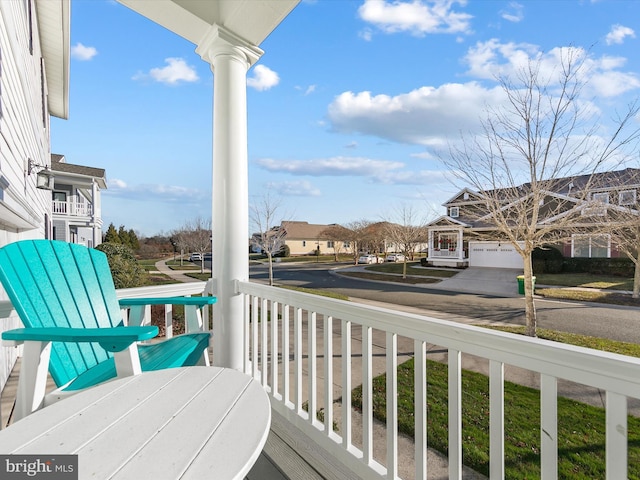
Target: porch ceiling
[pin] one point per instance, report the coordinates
(252, 20)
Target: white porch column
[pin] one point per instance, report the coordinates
(460, 245)
(96, 212)
(230, 58)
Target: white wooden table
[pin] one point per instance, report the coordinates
(187, 423)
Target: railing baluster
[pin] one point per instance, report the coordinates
(246, 336)
(548, 427)
(617, 433)
(420, 408)
(168, 321)
(264, 351)
(455, 414)
(392, 405)
(328, 374)
(311, 366)
(297, 346)
(274, 348)
(346, 384)
(285, 354)
(367, 394)
(254, 337)
(496, 419)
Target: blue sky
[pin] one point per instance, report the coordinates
(348, 107)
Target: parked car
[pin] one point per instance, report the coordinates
(395, 257)
(195, 257)
(368, 259)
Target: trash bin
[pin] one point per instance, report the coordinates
(521, 283)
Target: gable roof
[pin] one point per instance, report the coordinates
(60, 165)
(304, 230)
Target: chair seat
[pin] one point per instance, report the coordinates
(180, 351)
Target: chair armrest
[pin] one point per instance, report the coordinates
(114, 339)
(197, 301)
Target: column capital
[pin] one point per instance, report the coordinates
(220, 41)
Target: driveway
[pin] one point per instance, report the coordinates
(489, 281)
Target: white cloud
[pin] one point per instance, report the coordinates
(334, 166)
(515, 13)
(263, 78)
(601, 75)
(155, 192)
(418, 17)
(375, 171)
(83, 53)
(423, 116)
(176, 71)
(302, 188)
(618, 34)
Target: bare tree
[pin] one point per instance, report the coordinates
(406, 234)
(357, 236)
(194, 236)
(543, 132)
(267, 221)
(620, 222)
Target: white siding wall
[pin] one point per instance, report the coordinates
(24, 135)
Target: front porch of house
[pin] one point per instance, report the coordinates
(447, 247)
(310, 352)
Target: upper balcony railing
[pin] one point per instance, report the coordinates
(72, 208)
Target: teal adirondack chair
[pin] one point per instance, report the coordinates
(65, 296)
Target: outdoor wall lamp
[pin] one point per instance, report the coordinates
(44, 179)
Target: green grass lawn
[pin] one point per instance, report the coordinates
(581, 427)
(586, 280)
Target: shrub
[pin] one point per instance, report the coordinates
(622, 267)
(124, 267)
(283, 252)
(547, 259)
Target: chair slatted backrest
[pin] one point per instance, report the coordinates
(59, 284)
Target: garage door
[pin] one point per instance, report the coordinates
(494, 254)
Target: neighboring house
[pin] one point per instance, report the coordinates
(304, 238)
(453, 238)
(34, 84)
(76, 202)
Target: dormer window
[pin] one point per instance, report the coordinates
(600, 197)
(454, 212)
(627, 197)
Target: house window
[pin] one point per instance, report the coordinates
(600, 197)
(627, 197)
(346, 244)
(330, 244)
(590, 246)
(454, 212)
(466, 195)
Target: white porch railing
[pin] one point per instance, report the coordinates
(275, 320)
(444, 253)
(72, 208)
(170, 290)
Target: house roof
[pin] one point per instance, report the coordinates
(60, 165)
(304, 230)
(569, 186)
(54, 18)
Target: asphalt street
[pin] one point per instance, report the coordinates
(605, 321)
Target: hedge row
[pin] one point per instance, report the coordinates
(550, 260)
(622, 267)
